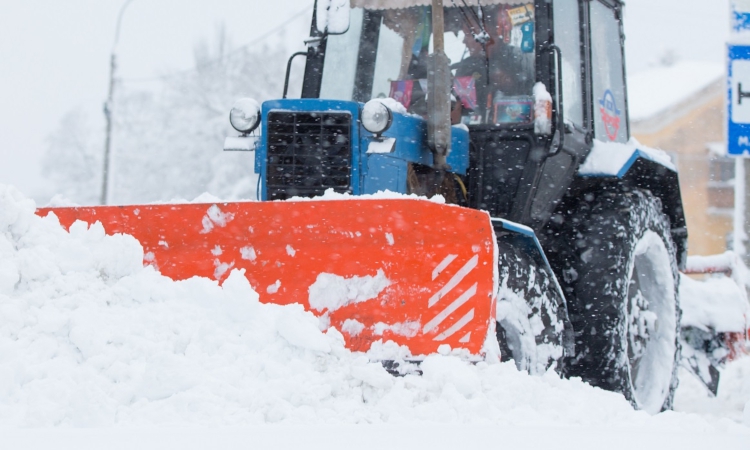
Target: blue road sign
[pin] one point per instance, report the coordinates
(738, 100)
(740, 20)
(740, 15)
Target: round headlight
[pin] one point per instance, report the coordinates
(376, 117)
(245, 115)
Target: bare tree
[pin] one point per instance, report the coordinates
(167, 140)
(73, 159)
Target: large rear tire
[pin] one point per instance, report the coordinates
(619, 272)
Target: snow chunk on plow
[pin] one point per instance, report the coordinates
(331, 292)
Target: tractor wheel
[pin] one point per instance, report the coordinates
(530, 313)
(619, 269)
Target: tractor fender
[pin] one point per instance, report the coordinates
(640, 167)
(529, 275)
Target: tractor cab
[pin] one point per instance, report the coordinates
(385, 54)
(530, 85)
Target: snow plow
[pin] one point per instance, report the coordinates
(359, 263)
(558, 241)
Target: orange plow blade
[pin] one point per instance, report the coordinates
(412, 271)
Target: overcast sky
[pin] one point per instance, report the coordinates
(55, 53)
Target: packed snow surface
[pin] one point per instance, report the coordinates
(91, 338)
(715, 304)
(732, 401)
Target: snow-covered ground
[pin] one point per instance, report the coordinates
(433, 436)
(97, 351)
(732, 401)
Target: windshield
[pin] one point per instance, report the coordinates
(384, 54)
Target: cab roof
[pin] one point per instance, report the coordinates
(399, 4)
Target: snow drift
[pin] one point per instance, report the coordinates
(89, 337)
(716, 304)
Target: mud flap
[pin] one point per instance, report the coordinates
(407, 270)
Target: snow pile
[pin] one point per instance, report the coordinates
(716, 304)
(732, 401)
(609, 158)
(330, 194)
(89, 337)
(655, 90)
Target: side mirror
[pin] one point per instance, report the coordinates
(332, 16)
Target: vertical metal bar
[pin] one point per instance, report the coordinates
(108, 109)
(438, 26)
(439, 86)
(289, 71)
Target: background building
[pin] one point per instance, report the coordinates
(679, 107)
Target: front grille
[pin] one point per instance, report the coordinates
(308, 152)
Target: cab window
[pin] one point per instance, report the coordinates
(491, 49)
(568, 39)
(610, 117)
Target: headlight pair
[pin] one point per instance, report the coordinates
(246, 114)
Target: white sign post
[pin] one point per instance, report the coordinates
(738, 119)
(738, 100)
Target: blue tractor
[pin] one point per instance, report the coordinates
(517, 108)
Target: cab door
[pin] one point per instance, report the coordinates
(571, 74)
(609, 96)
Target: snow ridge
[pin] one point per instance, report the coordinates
(91, 338)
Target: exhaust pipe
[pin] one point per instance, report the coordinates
(439, 92)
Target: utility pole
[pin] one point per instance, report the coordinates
(108, 110)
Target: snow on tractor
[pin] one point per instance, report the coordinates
(558, 241)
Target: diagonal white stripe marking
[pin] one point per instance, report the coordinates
(437, 320)
(460, 275)
(441, 267)
(455, 328)
(466, 338)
